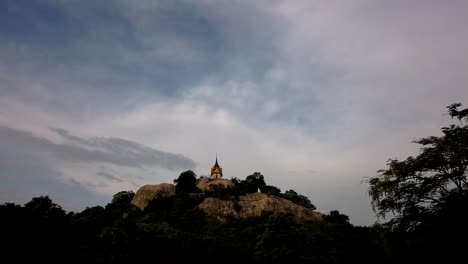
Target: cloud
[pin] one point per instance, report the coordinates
(27, 172)
(115, 151)
(108, 176)
(102, 165)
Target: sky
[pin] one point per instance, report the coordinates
(98, 97)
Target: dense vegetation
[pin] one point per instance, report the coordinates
(427, 197)
(173, 230)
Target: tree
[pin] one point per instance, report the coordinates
(418, 189)
(251, 184)
(255, 181)
(123, 197)
(186, 182)
(43, 207)
(299, 199)
(272, 190)
(336, 217)
(281, 239)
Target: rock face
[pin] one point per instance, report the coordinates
(207, 184)
(253, 205)
(246, 206)
(149, 192)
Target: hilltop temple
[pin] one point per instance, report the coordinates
(216, 171)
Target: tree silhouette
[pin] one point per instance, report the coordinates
(299, 199)
(254, 182)
(122, 197)
(419, 188)
(186, 182)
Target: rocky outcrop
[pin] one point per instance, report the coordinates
(254, 204)
(245, 206)
(149, 192)
(207, 184)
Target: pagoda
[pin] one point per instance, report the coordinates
(216, 171)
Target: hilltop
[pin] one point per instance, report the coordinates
(222, 198)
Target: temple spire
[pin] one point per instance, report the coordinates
(216, 171)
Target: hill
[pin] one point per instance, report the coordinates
(253, 205)
(243, 206)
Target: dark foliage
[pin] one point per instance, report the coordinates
(427, 195)
(419, 188)
(174, 230)
(298, 199)
(186, 182)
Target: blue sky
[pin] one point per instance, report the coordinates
(103, 96)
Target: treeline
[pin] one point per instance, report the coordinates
(173, 230)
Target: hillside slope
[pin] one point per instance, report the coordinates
(249, 205)
(253, 204)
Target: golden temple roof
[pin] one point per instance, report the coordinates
(216, 168)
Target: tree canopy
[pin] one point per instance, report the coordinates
(298, 199)
(186, 182)
(420, 188)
